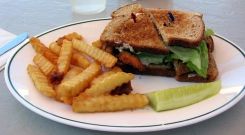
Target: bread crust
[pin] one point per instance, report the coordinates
(184, 29)
(126, 10)
(139, 34)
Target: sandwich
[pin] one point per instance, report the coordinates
(161, 42)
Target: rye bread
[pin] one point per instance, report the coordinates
(127, 10)
(178, 27)
(136, 30)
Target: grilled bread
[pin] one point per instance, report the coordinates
(178, 27)
(136, 30)
(127, 10)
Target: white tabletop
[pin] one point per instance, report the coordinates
(226, 17)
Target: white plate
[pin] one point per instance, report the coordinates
(230, 61)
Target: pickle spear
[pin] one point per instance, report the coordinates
(182, 96)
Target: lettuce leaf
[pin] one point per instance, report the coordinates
(203, 50)
(149, 58)
(208, 32)
(196, 59)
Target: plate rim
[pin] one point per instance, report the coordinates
(100, 127)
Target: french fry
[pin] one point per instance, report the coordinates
(72, 73)
(69, 37)
(107, 103)
(77, 59)
(64, 59)
(103, 57)
(74, 70)
(55, 48)
(79, 83)
(44, 64)
(39, 47)
(109, 83)
(67, 75)
(97, 44)
(67, 100)
(40, 81)
(80, 60)
(105, 74)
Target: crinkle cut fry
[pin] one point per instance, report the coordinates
(97, 44)
(79, 83)
(64, 59)
(109, 83)
(77, 58)
(107, 103)
(39, 47)
(44, 64)
(55, 48)
(72, 73)
(80, 60)
(69, 37)
(41, 81)
(103, 57)
(105, 74)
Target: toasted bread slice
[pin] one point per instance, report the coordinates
(178, 27)
(127, 10)
(136, 30)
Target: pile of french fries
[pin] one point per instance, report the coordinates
(70, 71)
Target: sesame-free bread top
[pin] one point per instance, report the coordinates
(178, 27)
(136, 30)
(127, 10)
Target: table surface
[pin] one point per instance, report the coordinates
(226, 17)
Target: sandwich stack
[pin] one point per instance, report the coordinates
(161, 42)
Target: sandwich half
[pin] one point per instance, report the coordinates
(161, 42)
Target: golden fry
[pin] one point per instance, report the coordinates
(107, 103)
(41, 81)
(105, 74)
(79, 83)
(72, 73)
(77, 59)
(80, 60)
(109, 83)
(67, 100)
(39, 47)
(105, 58)
(69, 37)
(97, 44)
(55, 48)
(64, 59)
(44, 64)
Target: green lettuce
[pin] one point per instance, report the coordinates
(196, 59)
(149, 58)
(208, 32)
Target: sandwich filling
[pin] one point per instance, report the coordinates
(196, 59)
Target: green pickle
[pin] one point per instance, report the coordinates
(182, 96)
